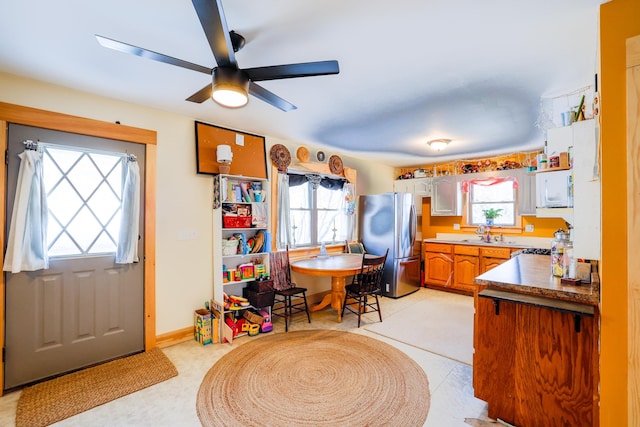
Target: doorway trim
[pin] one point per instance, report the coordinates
(11, 113)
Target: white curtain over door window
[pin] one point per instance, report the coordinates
(27, 241)
(127, 251)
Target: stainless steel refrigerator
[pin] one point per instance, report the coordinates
(389, 221)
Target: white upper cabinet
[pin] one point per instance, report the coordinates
(446, 197)
(418, 187)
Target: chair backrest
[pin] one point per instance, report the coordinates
(354, 247)
(370, 277)
(280, 270)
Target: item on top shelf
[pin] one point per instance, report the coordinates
(280, 157)
(303, 154)
(335, 165)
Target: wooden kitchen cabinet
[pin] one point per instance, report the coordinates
(493, 257)
(534, 361)
(438, 264)
(466, 266)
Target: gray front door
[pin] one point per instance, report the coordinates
(84, 309)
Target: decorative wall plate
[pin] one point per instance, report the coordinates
(280, 157)
(335, 165)
(303, 154)
(320, 156)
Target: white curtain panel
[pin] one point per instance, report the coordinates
(27, 241)
(127, 251)
(349, 209)
(283, 237)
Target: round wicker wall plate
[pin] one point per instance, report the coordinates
(335, 164)
(280, 157)
(303, 154)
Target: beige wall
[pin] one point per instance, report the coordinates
(184, 198)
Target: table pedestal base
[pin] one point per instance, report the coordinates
(335, 298)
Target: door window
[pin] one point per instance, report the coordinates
(84, 194)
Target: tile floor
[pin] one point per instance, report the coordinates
(172, 403)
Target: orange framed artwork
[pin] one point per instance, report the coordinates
(249, 155)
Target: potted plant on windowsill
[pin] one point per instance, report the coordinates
(491, 214)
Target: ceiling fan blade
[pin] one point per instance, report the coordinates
(202, 95)
(270, 97)
(149, 54)
(215, 28)
(290, 71)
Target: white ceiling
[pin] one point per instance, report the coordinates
(410, 70)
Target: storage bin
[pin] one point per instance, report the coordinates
(231, 221)
(229, 247)
(261, 285)
(259, 299)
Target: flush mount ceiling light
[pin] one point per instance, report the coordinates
(439, 144)
(230, 87)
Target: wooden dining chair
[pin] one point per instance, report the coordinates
(285, 289)
(354, 247)
(367, 283)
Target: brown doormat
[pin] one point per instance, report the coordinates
(54, 400)
(312, 378)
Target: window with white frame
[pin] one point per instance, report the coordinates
(489, 194)
(315, 209)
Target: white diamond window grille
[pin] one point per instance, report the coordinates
(84, 197)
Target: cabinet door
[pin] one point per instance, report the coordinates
(446, 198)
(465, 269)
(554, 368)
(422, 187)
(586, 190)
(487, 264)
(438, 269)
(494, 357)
(403, 186)
(527, 194)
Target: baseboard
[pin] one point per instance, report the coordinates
(175, 337)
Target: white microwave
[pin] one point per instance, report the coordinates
(553, 189)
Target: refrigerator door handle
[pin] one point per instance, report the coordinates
(413, 227)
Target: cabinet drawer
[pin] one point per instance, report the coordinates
(496, 252)
(438, 247)
(466, 250)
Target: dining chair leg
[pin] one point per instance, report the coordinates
(361, 307)
(306, 307)
(287, 312)
(378, 305)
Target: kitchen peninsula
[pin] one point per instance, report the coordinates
(535, 341)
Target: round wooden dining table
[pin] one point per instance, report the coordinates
(337, 266)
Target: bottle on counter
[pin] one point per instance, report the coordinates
(559, 244)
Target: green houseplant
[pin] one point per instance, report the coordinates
(491, 214)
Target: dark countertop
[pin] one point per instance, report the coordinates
(531, 275)
(478, 242)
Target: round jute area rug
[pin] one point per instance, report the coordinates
(314, 378)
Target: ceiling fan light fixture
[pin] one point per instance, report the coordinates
(439, 144)
(230, 87)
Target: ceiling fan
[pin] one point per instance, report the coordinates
(231, 84)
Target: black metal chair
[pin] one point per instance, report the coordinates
(367, 283)
(285, 290)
